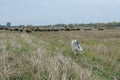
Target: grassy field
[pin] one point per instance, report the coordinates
(48, 55)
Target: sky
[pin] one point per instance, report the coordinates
(45, 12)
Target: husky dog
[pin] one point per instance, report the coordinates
(76, 47)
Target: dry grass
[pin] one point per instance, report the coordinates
(48, 56)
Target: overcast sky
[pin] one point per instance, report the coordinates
(43, 12)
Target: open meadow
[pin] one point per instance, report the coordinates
(48, 55)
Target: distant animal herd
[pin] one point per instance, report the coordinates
(29, 29)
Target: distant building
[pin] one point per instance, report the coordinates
(8, 24)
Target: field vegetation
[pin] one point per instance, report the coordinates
(48, 55)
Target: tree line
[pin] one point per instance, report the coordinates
(73, 25)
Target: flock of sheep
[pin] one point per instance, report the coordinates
(30, 29)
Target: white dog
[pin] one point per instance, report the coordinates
(76, 46)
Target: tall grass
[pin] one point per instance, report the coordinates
(48, 56)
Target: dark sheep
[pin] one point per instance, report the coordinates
(28, 31)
